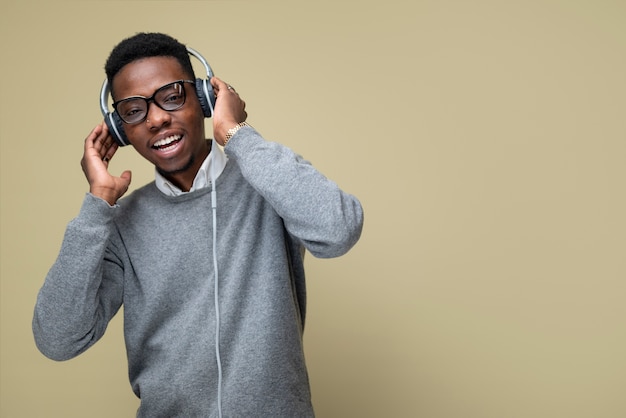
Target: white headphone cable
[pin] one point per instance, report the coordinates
(218, 358)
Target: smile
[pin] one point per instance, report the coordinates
(165, 143)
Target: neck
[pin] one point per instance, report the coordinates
(183, 178)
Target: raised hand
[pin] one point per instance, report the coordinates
(100, 147)
(229, 110)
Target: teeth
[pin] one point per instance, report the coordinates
(166, 141)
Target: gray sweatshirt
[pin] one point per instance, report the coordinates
(153, 254)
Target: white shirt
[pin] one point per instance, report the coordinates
(203, 177)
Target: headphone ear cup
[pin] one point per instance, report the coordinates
(116, 128)
(206, 96)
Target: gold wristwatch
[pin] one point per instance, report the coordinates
(232, 131)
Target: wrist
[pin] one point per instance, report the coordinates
(105, 194)
(232, 131)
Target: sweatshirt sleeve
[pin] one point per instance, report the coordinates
(83, 289)
(327, 220)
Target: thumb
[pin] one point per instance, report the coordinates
(126, 177)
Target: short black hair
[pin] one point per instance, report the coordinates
(145, 45)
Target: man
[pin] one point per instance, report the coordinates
(212, 326)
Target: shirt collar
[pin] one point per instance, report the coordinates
(203, 177)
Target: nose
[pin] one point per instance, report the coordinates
(156, 117)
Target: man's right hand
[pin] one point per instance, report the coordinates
(99, 149)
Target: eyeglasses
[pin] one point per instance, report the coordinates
(169, 97)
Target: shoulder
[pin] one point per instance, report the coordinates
(147, 191)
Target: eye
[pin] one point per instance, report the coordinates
(171, 96)
(175, 97)
(131, 109)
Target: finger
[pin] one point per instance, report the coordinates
(105, 144)
(98, 138)
(92, 149)
(215, 82)
(90, 146)
(93, 135)
(110, 153)
(221, 86)
(99, 145)
(108, 145)
(105, 139)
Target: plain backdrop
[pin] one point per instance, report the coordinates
(486, 140)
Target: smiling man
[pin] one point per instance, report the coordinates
(209, 267)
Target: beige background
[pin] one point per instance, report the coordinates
(486, 140)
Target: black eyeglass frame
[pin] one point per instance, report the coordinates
(152, 99)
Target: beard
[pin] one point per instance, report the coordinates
(185, 167)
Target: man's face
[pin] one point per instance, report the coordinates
(171, 140)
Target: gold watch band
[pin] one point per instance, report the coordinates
(232, 131)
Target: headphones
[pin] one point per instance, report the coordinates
(204, 91)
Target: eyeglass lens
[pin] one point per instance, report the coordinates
(169, 97)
